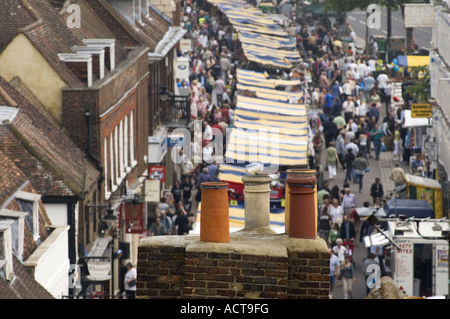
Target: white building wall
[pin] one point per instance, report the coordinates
(57, 214)
(440, 83)
(50, 262)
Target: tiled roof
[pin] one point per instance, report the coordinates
(92, 27)
(43, 151)
(151, 30)
(11, 178)
(13, 16)
(50, 35)
(46, 27)
(23, 285)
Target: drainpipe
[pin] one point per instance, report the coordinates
(257, 201)
(89, 116)
(302, 206)
(214, 216)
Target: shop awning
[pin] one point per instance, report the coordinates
(263, 40)
(268, 132)
(415, 122)
(258, 79)
(411, 61)
(422, 181)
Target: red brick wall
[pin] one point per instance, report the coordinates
(118, 94)
(209, 275)
(309, 275)
(167, 269)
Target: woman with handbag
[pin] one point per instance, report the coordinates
(130, 281)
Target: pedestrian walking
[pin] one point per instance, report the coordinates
(176, 193)
(324, 223)
(398, 175)
(335, 194)
(333, 235)
(376, 134)
(397, 144)
(347, 231)
(319, 143)
(167, 222)
(336, 212)
(361, 139)
(187, 193)
(332, 161)
(334, 268)
(340, 148)
(339, 250)
(376, 190)
(378, 251)
(348, 277)
(349, 159)
(130, 281)
(181, 223)
(360, 166)
(348, 201)
(349, 109)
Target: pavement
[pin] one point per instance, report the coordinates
(381, 169)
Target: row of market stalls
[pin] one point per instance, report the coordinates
(270, 129)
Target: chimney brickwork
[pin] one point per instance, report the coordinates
(254, 264)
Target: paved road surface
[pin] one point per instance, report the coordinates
(382, 169)
(357, 19)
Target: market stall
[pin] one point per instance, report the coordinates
(425, 189)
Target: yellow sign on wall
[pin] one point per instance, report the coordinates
(421, 110)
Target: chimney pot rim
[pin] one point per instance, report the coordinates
(260, 179)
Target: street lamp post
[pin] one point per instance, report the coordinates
(111, 222)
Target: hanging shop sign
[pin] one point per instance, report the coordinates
(421, 110)
(157, 172)
(134, 217)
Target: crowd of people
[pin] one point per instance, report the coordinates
(345, 91)
(213, 59)
(343, 88)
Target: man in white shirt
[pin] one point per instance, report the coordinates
(382, 80)
(351, 145)
(336, 212)
(208, 153)
(348, 201)
(208, 133)
(349, 108)
(362, 69)
(372, 65)
(347, 89)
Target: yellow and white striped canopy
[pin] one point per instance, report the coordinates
(262, 39)
(268, 132)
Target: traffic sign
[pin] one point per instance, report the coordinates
(421, 110)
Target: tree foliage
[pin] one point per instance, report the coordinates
(418, 91)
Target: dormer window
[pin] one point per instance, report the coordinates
(29, 203)
(6, 261)
(17, 229)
